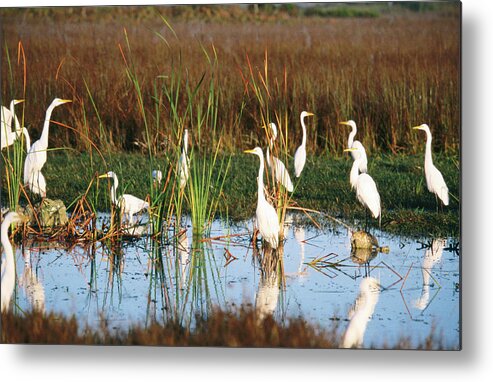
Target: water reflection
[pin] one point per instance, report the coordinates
(267, 297)
(182, 276)
(363, 256)
(361, 312)
(30, 283)
(432, 256)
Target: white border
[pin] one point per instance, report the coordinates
(474, 363)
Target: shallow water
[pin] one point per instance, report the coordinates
(417, 286)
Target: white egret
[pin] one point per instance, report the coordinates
(363, 166)
(37, 183)
(434, 178)
(360, 314)
(7, 135)
(8, 265)
(267, 220)
(184, 170)
(36, 156)
(157, 177)
(127, 203)
(276, 165)
(300, 154)
(366, 189)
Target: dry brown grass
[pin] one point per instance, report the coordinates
(240, 329)
(387, 73)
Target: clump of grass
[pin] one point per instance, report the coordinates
(235, 328)
(13, 156)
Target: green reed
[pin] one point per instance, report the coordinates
(13, 155)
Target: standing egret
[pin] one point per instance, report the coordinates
(363, 166)
(184, 170)
(37, 183)
(366, 189)
(8, 267)
(276, 165)
(434, 178)
(300, 155)
(267, 220)
(36, 156)
(7, 135)
(127, 203)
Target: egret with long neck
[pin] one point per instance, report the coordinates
(300, 154)
(127, 203)
(434, 178)
(366, 189)
(8, 267)
(267, 220)
(36, 156)
(8, 136)
(363, 164)
(184, 170)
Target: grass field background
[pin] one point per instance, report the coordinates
(388, 68)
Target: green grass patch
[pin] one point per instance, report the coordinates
(408, 208)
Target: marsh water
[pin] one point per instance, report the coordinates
(315, 276)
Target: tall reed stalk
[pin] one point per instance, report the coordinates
(13, 156)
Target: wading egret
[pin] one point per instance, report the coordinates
(360, 314)
(8, 264)
(300, 155)
(8, 136)
(127, 203)
(363, 165)
(366, 189)
(267, 221)
(434, 178)
(36, 156)
(276, 165)
(184, 170)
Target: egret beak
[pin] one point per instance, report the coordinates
(65, 101)
(344, 123)
(17, 101)
(416, 128)
(103, 176)
(309, 114)
(351, 149)
(249, 151)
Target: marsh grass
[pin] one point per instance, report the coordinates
(234, 328)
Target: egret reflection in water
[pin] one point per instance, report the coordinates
(361, 312)
(432, 256)
(269, 287)
(29, 281)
